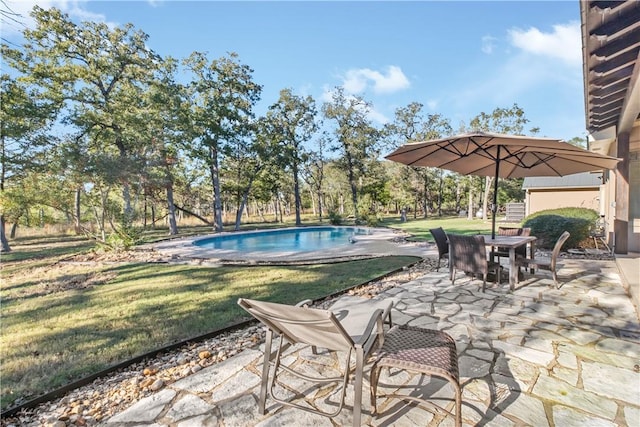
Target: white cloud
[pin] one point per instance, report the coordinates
(488, 43)
(376, 116)
(371, 113)
(74, 8)
(432, 104)
(563, 43)
(358, 80)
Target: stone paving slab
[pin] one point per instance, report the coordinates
(538, 356)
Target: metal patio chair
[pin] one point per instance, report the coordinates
(549, 264)
(317, 328)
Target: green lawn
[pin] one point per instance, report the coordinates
(419, 228)
(62, 322)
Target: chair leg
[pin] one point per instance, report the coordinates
(555, 279)
(458, 415)
(373, 379)
(484, 281)
(357, 398)
(265, 372)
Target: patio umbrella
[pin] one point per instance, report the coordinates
(501, 156)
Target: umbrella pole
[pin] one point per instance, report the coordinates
(494, 208)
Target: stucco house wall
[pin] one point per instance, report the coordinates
(582, 190)
(542, 199)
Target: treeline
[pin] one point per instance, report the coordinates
(99, 131)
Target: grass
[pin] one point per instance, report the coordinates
(419, 228)
(62, 321)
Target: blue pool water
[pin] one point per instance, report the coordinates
(294, 239)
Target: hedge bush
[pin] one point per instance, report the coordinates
(548, 225)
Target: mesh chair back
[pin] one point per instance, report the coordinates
(514, 231)
(468, 253)
(301, 324)
(441, 240)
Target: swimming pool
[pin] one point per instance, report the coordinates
(306, 239)
(288, 246)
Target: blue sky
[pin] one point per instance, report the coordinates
(457, 58)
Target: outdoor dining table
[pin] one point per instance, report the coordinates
(512, 242)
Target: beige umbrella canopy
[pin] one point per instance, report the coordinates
(504, 156)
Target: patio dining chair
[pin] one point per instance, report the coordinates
(545, 263)
(317, 328)
(469, 254)
(511, 231)
(440, 237)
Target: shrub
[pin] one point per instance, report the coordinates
(548, 225)
(371, 219)
(335, 218)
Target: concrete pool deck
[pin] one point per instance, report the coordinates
(378, 242)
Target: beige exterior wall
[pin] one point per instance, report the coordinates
(539, 200)
(633, 244)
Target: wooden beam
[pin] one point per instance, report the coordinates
(621, 220)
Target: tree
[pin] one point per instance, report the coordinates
(501, 120)
(166, 117)
(24, 116)
(578, 142)
(356, 137)
(222, 97)
(410, 125)
(246, 158)
(294, 121)
(314, 171)
(101, 73)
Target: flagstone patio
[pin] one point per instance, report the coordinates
(538, 356)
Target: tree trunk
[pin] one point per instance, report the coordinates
(425, 190)
(215, 180)
(173, 225)
(354, 190)
(4, 243)
(76, 209)
(296, 193)
(243, 203)
(145, 210)
(440, 195)
(126, 197)
(470, 211)
(485, 199)
(193, 214)
(14, 230)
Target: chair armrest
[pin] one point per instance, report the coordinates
(375, 321)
